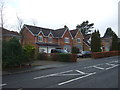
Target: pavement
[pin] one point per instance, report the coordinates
(39, 65)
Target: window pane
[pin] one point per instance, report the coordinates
(66, 40)
(50, 39)
(78, 40)
(40, 38)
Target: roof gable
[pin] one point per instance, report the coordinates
(59, 32)
(73, 32)
(36, 30)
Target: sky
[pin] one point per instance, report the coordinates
(54, 14)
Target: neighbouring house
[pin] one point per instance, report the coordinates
(106, 43)
(7, 35)
(77, 38)
(87, 42)
(46, 39)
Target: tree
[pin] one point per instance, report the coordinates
(96, 42)
(20, 23)
(85, 27)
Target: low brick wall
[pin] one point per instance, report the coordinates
(105, 54)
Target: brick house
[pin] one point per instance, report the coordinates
(106, 43)
(7, 35)
(77, 38)
(46, 39)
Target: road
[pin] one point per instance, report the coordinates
(96, 73)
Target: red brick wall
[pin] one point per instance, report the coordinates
(61, 41)
(79, 35)
(86, 47)
(28, 38)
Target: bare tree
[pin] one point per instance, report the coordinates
(2, 21)
(20, 23)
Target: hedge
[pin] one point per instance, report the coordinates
(58, 57)
(42, 56)
(105, 54)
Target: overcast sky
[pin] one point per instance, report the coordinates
(55, 14)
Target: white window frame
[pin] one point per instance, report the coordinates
(68, 40)
(79, 39)
(39, 39)
(51, 39)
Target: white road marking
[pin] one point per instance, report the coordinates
(88, 67)
(67, 74)
(80, 72)
(2, 85)
(98, 67)
(52, 74)
(110, 64)
(76, 78)
(94, 65)
(111, 67)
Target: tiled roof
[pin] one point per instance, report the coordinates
(59, 32)
(56, 33)
(6, 32)
(73, 32)
(36, 30)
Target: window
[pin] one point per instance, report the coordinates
(50, 39)
(66, 40)
(40, 38)
(78, 40)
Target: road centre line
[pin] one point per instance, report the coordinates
(77, 78)
(2, 85)
(52, 74)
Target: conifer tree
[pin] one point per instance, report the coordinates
(96, 42)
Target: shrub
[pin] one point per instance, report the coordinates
(75, 50)
(12, 53)
(42, 56)
(64, 57)
(29, 51)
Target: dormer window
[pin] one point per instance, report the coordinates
(50, 39)
(66, 40)
(40, 38)
(78, 40)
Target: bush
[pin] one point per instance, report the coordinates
(42, 56)
(75, 50)
(12, 53)
(64, 57)
(29, 52)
